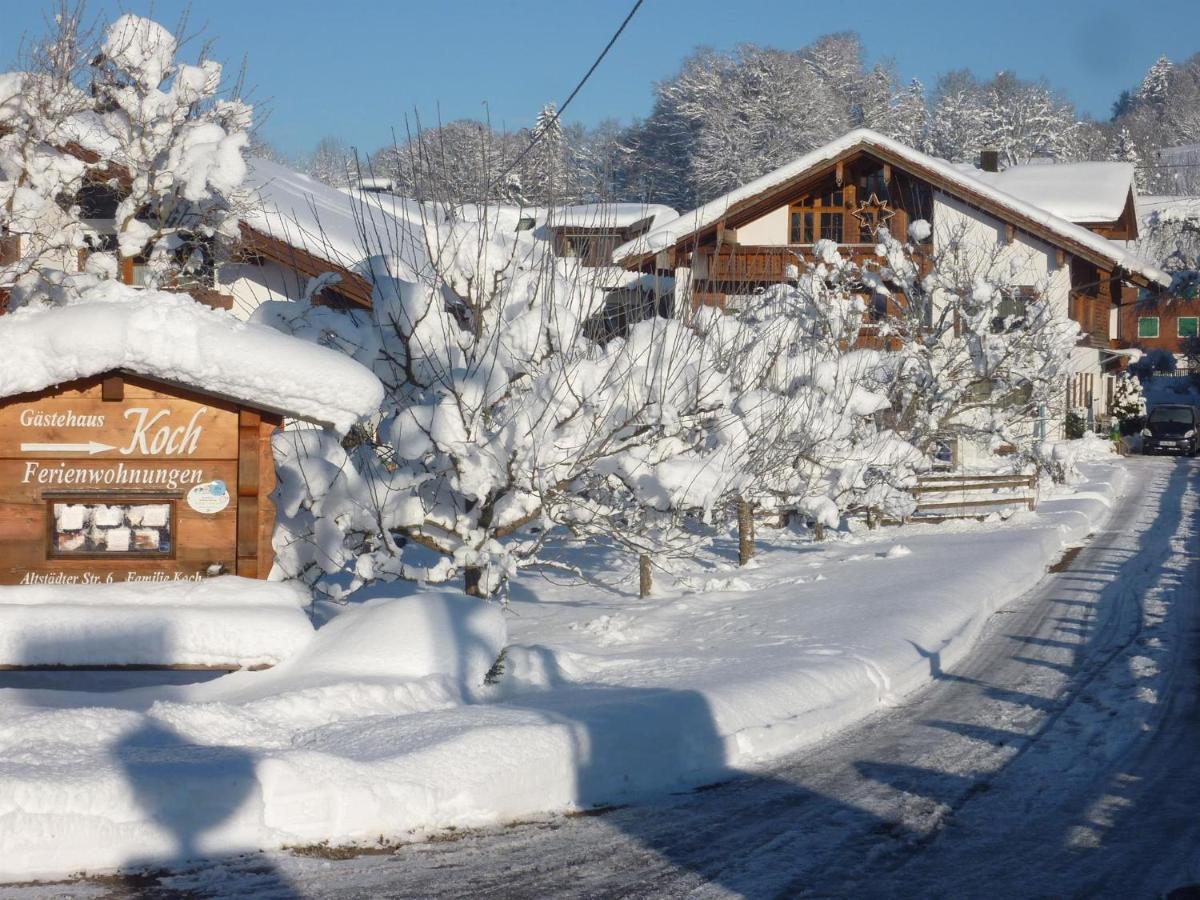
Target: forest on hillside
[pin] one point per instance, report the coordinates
(727, 117)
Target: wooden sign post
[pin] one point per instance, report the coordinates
(123, 478)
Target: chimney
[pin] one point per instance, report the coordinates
(989, 160)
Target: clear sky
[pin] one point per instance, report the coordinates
(356, 68)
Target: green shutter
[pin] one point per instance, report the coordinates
(1187, 326)
(1148, 326)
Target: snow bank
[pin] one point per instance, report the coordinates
(384, 636)
(226, 622)
(1062, 458)
(173, 338)
(253, 758)
(379, 727)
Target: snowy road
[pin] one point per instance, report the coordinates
(1062, 760)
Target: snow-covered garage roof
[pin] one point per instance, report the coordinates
(1040, 222)
(172, 338)
(606, 215)
(1081, 192)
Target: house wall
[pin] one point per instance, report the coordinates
(770, 230)
(986, 246)
(252, 284)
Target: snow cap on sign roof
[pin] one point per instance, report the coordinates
(174, 339)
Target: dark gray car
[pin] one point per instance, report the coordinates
(1172, 428)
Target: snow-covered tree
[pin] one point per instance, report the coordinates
(1021, 119)
(977, 357)
(40, 112)
(545, 171)
(179, 142)
(1128, 400)
(464, 161)
(1156, 85)
(122, 131)
(332, 162)
(502, 419)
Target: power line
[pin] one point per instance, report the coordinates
(563, 106)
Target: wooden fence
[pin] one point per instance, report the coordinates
(963, 495)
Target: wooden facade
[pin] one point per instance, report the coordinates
(122, 478)
(1159, 323)
(593, 245)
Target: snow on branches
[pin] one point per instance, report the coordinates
(508, 418)
(117, 150)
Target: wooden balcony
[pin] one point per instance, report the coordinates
(745, 264)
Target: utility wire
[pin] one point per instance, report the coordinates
(563, 106)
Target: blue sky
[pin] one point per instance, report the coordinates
(356, 68)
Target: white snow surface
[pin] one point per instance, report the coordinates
(172, 338)
(346, 228)
(346, 742)
(1080, 192)
(687, 224)
(225, 621)
(606, 215)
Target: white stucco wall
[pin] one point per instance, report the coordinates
(251, 285)
(770, 230)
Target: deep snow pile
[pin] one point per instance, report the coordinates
(602, 697)
(1061, 458)
(226, 621)
(173, 338)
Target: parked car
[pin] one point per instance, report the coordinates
(1172, 428)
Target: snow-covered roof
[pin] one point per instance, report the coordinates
(337, 226)
(606, 215)
(955, 179)
(1163, 208)
(1080, 192)
(172, 338)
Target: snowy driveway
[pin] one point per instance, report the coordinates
(1059, 760)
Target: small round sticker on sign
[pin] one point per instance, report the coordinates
(208, 498)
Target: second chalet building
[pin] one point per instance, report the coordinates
(1056, 226)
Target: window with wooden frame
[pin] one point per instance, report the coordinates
(1186, 326)
(104, 527)
(1147, 326)
(818, 218)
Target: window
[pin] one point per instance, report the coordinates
(817, 218)
(831, 227)
(91, 527)
(1013, 310)
(1186, 326)
(1147, 326)
(874, 183)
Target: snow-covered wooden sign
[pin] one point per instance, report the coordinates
(122, 478)
(135, 437)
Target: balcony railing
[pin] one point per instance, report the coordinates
(749, 264)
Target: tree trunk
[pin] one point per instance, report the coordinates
(644, 576)
(472, 576)
(745, 522)
(818, 531)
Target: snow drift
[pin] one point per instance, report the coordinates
(221, 622)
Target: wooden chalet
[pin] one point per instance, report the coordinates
(764, 233)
